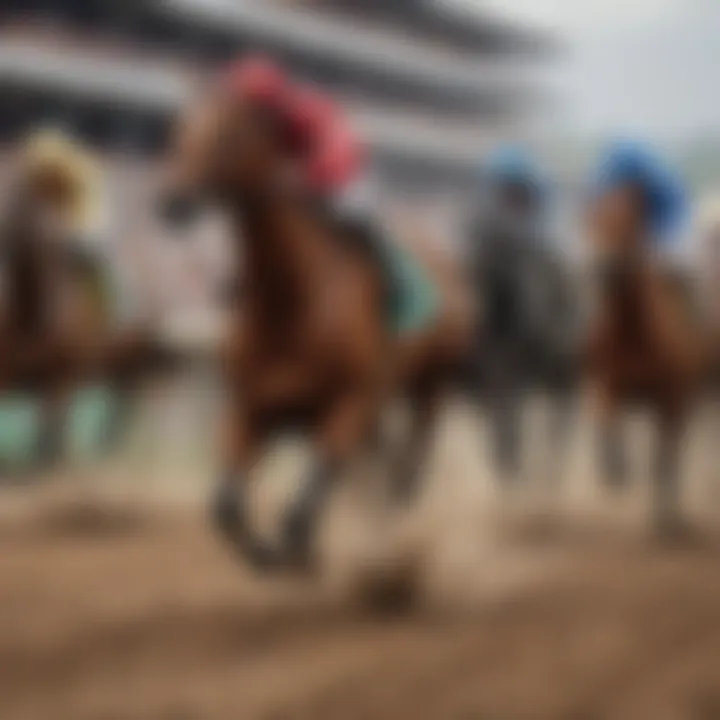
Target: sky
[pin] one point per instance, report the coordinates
(632, 66)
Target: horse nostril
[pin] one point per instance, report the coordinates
(177, 210)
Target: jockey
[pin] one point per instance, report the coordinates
(504, 232)
(327, 155)
(639, 208)
(519, 273)
(67, 176)
(514, 188)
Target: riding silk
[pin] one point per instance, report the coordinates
(412, 300)
(416, 302)
(502, 271)
(528, 308)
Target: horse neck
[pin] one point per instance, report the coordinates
(626, 304)
(286, 256)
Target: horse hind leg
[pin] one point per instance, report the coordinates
(666, 475)
(411, 461)
(228, 506)
(343, 432)
(559, 427)
(299, 523)
(230, 516)
(505, 405)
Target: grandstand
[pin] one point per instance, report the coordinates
(428, 85)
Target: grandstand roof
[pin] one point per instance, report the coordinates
(470, 29)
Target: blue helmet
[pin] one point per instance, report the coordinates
(632, 163)
(511, 164)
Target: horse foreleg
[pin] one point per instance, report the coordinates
(559, 431)
(611, 444)
(408, 472)
(505, 401)
(229, 501)
(343, 431)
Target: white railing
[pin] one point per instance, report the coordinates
(133, 83)
(343, 41)
(156, 88)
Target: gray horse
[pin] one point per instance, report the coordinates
(527, 336)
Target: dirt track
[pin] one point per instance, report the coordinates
(134, 611)
(149, 618)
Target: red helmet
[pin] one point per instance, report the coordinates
(257, 79)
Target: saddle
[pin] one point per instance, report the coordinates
(411, 298)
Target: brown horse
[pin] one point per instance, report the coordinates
(313, 345)
(646, 346)
(54, 332)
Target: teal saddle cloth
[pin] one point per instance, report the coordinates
(415, 300)
(90, 413)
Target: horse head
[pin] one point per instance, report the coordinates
(225, 149)
(638, 203)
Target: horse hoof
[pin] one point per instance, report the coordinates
(261, 557)
(228, 518)
(225, 512)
